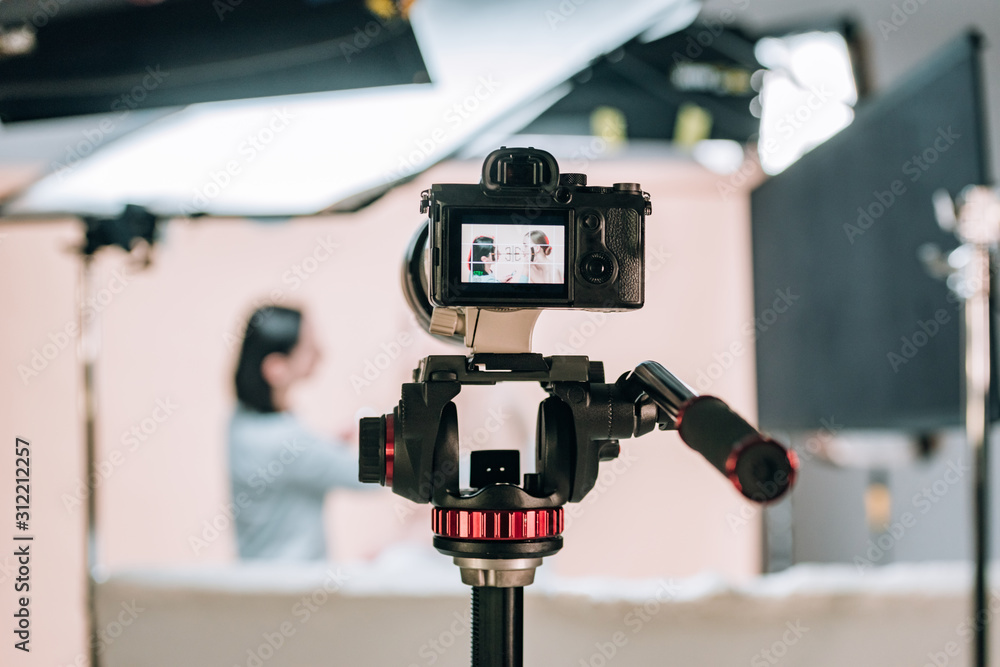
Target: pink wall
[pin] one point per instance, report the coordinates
(169, 339)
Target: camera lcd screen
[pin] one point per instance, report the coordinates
(515, 254)
(505, 254)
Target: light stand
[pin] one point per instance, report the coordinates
(134, 225)
(977, 226)
(89, 343)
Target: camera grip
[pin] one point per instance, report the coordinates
(623, 237)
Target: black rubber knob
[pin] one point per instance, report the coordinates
(371, 456)
(760, 468)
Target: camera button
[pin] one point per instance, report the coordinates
(591, 220)
(597, 268)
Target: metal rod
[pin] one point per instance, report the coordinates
(666, 389)
(977, 225)
(497, 626)
(977, 375)
(89, 342)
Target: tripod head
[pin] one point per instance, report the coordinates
(500, 528)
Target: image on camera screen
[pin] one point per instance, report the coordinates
(513, 254)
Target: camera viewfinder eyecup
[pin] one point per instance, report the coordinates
(519, 168)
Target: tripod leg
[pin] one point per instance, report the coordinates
(497, 626)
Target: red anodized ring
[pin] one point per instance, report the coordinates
(390, 448)
(497, 524)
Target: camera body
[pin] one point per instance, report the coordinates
(527, 236)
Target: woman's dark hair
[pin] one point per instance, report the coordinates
(482, 246)
(270, 329)
(539, 238)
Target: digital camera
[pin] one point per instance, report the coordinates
(527, 236)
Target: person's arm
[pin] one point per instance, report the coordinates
(319, 464)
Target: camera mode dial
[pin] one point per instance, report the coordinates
(573, 179)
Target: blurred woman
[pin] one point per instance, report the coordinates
(280, 472)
